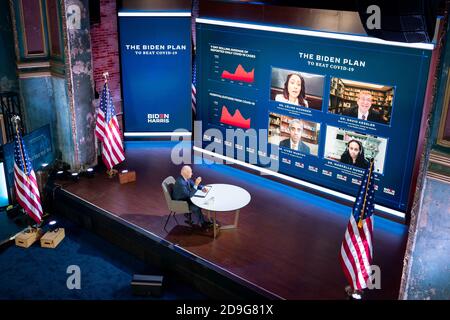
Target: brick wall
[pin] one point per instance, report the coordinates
(105, 50)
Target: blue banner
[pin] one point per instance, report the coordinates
(155, 56)
(324, 106)
(40, 150)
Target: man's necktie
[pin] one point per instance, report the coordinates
(364, 117)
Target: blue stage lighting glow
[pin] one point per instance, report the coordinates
(4, 200)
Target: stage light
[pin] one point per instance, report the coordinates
(356, 296)
(52, 225)
(12, 211)
(353, 294)
(124, 171)
(44, 165)
(90, 172)
(75, 176)
(60, 174)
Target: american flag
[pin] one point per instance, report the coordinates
(356, 250)
(107, 130)
(194, 90)
(25, 184)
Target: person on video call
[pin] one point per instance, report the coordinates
(295, 140)
(184, 189)
(354, 155)
(294, 91)
(364, 110)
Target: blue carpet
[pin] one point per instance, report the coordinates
(106, 271)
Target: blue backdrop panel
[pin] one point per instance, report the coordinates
(156, 73)
(40, 150)
(237, 65)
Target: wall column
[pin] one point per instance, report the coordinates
(80, 83)
(53, 52)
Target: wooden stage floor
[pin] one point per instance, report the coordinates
(288, 241)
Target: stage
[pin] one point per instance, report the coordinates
(286, 246)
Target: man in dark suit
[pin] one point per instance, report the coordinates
(295, 140)
(184, 188)
(364, 110)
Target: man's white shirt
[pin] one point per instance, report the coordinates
(360, 115)
(293, 146)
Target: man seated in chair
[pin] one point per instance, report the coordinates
(184, 189)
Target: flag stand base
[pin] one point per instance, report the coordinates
(111, 173)
(28, 236)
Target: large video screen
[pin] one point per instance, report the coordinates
(155, 53)
(318, 108)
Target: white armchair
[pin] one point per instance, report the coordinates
(174, 206)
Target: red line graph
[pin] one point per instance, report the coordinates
(236, 120)
(239, 75)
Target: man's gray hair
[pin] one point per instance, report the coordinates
(291, 122)
(184, 168)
